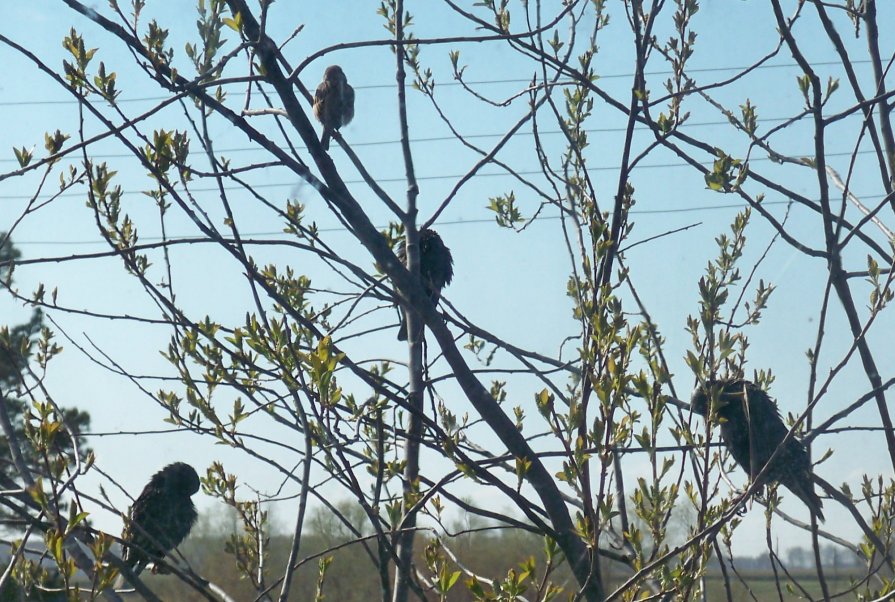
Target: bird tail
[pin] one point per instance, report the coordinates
(805, 492)
(402, 329)
(324, 140)
(814, 503)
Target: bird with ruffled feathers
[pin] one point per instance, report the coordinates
(436, 269)
(161, 516)
(752, 430)
(333, 102)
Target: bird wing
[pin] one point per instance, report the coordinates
(436, 263)
(767, 428)
(735, 434)
(159, 522)
(321, 93)
(138, 532)
(347, 104)
(322, 110)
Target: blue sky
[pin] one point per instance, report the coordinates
(512, 283)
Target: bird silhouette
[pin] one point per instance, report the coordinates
(333, 102)
(752, 429)
(161, 517)
(436, 269)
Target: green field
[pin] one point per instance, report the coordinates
(761, 585)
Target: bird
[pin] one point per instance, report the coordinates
(161, 517)
(333, 102)
(436, 269)
(752, 429)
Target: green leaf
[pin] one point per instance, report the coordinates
(235, 23)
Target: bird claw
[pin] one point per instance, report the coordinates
(160, 569)
(747, 502)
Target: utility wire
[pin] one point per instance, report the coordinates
(242, 149)
(446, 138)
(20, 197)
(12, 103)
(448, 223)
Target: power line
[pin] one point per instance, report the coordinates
(448, 223)
(242, 149)
(10, 103)
(459, 222)
(533, 172)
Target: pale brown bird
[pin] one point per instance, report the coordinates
(752, 429)
(333, 102)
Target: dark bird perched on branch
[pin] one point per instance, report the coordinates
(333, 102)
(161, 516)
(436, 269)
(752, 429)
